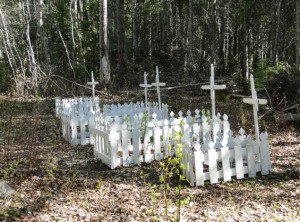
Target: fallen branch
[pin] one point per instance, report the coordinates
(289, 117)
(100, 92)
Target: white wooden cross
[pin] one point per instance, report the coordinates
(145, 86)
(212, 87)
(158, 84)
(254, 101)
(93, 84)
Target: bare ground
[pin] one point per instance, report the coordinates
(56, 182)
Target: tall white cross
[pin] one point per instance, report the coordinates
(93, 84)
(158, 84)
(212, 87)
(145, 86)
(255, 102)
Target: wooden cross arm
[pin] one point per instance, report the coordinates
(92, 83)
(215, 87)
(159, 84)
(146, 85)
(255, 101)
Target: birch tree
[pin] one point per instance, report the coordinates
(105, 59)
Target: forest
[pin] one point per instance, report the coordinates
(49, 47)
(218, 139)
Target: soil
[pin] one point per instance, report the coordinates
(54, 181)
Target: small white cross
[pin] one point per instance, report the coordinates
(254, 101)
(93, 84)
(212, 87)
(158, 84)
(145, 86)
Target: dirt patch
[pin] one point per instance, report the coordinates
(56, 182)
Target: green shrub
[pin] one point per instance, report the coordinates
(265, 73)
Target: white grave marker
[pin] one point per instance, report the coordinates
(93, 84)
(212, 87)
(254, 101)
(145, 86)
(158, 85)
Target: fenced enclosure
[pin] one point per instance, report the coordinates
(76, 114)
(129, 134)
(211, 152)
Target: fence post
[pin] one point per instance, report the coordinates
(156, 137)
(238, 159)
(265, 154)
(205, 127)
(226, 128)
(215, 127)
(190, 166)
(212, 160)
(166, 135)
(147, 146)
(82, 124)
(225, 154)
(125, 145)
(136, 140)
(113, 147)
(251, 157)
(198, 161)
(73, 129)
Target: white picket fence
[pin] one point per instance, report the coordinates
(78, 106)
(224, 163)
(121, 142)
(75, 115)
(129, 134)
(211, 152)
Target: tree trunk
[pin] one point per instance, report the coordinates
(33, 66)
(100, 40)
(244, 40)
(43, 37)
(276, 27)
(121, 41)
(106, 69)
(213, 33)
(7, 43)
(135, 31)
(71, 23)
(150, 35)
(172, 26)
(222, 38)
(298, 34)
(189, 39)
